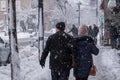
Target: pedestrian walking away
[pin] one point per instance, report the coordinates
(90, 31)
(60, 46)
(95, 32)
(74, 31)
(84, 48)
(113, 35)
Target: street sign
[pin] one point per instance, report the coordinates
(101, 18)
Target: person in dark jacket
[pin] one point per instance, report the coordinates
(90, 31)
(85, 47)
(60, 46)
(95, 32)
(74, 31)
(113, 35)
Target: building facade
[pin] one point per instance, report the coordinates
(112, 17)
(46, 14)
(3, 13)
(27, 11)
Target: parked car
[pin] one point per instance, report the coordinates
(50, 32)
(4, 52)
(34, 37)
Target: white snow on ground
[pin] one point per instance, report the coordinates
(107, 62)
(31, 70)
(19, 35)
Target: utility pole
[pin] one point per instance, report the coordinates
(79, 3)
(41, 28)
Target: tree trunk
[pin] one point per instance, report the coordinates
(15, 60)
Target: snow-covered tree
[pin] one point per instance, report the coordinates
(15, 60)
(63, 11)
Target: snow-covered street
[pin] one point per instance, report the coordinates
(107, 63)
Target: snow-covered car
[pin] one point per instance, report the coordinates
(53, 30)
(34, 37)
(4, 52)
(50, 32)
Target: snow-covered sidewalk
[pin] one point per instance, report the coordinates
(107, 63)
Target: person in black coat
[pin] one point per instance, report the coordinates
(113, 35)
(90, 31)
(74, 31)
(84, 47)
(60, 46)
(95, 32)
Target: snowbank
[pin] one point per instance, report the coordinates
(107, 63)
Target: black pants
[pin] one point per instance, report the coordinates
(60, 75)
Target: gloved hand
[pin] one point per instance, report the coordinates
(42, 63)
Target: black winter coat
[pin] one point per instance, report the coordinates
(113, 32)
(60, 46)
(95, 31)
(74, 31)
(90, 32)
(85, 47)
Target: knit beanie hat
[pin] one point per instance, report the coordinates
(60, 26)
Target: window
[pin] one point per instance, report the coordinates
(3, 5)
(18, 5)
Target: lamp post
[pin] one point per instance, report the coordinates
(97, 12)
(79, 3)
